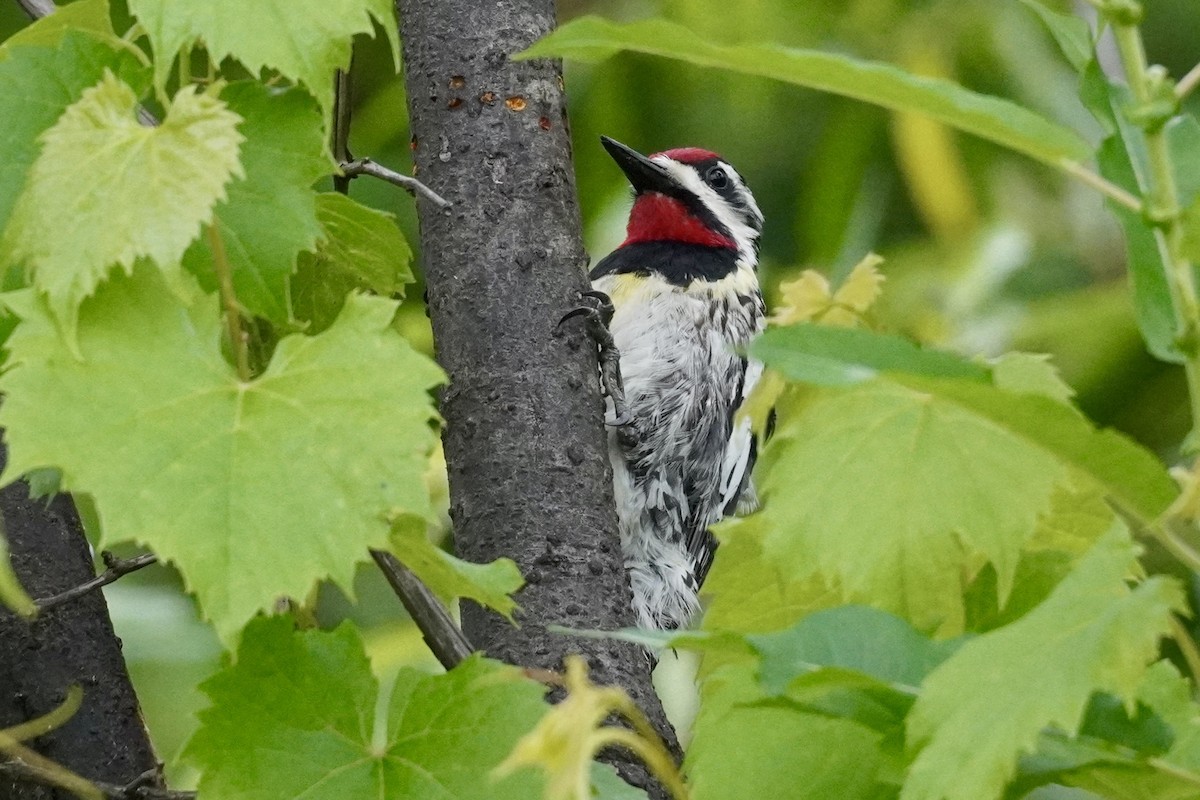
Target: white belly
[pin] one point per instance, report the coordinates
(683, 379)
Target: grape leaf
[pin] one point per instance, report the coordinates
(810, 298)
(362, 249)
(270, 215)
(988, 702)
(747, 592)
(304, 40)
(777, 750)
(949, 491)
(128, 190)
(89, 16)
(1001, 121)
(295, 716)
(958, 473)
(36, 86)
(1031, 373)
(865, 640)
(254, 489)
(489, 584)
(1124, 470)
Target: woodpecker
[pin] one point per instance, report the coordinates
(684, 302)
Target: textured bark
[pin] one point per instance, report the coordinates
(524, 438)
(73, 643)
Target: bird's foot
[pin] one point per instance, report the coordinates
(597, 310)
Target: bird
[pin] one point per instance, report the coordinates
(681, 302)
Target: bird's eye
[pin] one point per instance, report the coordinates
(716, 178)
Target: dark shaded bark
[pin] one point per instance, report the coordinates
(525, 445)
(69, 644)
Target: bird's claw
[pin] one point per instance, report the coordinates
(602, 310)
(598, 314)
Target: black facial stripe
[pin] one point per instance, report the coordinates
(730, 192)
(678, 263)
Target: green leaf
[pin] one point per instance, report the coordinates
(362, 249)
(254, 489)
(1076, 519)
(957, 474)
(915, 495)
(743, 748)
(747, 592)
(1122, 469)
(36, 86)
(872, 642)
(1000, 121)
(450, 577)
(1030, 373)
(129, 191)
(303, 40)
(833, 356)
(295, 716)
(89, 16)
(12, 595)
(270, 215)
(608, 785)
(1072, 33)
(988, 702)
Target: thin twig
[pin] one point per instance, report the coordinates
(140, 788)
(1102, 185)
(117, 567)
(340, 145)
(365, 166)
(36, 9)
(441, 633)
(1188, 83)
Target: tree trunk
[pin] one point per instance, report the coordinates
(524, 437)
(73, 643)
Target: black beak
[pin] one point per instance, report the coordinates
(643, 174)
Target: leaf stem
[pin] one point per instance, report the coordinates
(1101, 184)
(233, 311)
(1182, 551)
(1163, 210)
(1188, 83)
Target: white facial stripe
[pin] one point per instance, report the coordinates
(743, 235)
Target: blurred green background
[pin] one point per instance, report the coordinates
(985, 251)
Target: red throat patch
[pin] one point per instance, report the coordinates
(658, 218)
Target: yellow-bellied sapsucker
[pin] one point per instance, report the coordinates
(685, 302)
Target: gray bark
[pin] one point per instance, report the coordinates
(73, 643)
(524, 437)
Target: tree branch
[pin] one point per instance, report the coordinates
(117, 567)
(106, 738)
(365, 166)
(441, 632)
(526, 448)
